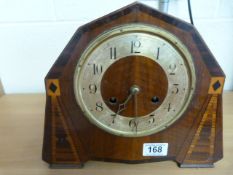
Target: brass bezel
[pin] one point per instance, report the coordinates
(142, 28)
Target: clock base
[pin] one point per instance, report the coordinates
(65, 166)
(209, 165)
(81, 165)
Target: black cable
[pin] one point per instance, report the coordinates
(190, 12)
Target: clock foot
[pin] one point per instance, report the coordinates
(208, 165)
(65, 166)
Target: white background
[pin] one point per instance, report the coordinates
(34, 32)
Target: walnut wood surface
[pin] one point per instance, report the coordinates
(69, 138)
(127, 72)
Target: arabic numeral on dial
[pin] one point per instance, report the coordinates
(113, 53)
(97, 69)
(172, 69)
(169, 107)
(133, 124)
(151, 119)
(135, 45)
(92, 88)
(99, 106)
(175, 89)
(157, 53)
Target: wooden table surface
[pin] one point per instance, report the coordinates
(21, 133)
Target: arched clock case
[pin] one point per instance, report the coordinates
(136, 85)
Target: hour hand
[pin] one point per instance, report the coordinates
(122, 106)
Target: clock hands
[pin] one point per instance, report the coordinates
(133, 91)
(135, 112)
(134, 123)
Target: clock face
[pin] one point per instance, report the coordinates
(134, 80)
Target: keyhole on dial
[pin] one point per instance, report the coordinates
(154, 99)
(112, 100)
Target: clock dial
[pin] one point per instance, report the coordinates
(134, 80)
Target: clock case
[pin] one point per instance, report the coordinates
(195, 139)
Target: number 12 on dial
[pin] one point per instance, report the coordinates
(155, 149)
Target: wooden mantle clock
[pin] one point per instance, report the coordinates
(136, 85)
